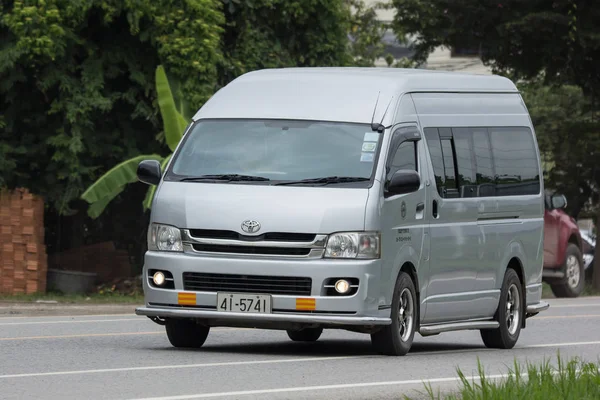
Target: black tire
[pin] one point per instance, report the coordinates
(502, 337)
(305, 335)
(390, 341)
(186, 333)
(574, 282)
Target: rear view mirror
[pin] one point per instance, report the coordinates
(148, 171)
(559, 201)
(403, 181)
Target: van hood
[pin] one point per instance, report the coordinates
(294, 209)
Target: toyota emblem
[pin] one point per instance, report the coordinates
(250, 226)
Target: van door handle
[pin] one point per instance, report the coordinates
(420, 207)
(434, 209)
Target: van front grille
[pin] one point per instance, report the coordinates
(283, 285)
(270, 251)
(267, 237)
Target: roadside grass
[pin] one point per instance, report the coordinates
(587, 291)
(573, 379)
(61, 298)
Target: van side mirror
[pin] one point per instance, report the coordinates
(403, 181)
(148, 171)
(559, 201)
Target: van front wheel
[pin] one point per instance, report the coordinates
(509, 314)
(186, 333)
(396, 339)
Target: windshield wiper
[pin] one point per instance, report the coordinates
(325, 180)
(224, 177)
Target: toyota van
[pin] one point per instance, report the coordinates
(381, 201)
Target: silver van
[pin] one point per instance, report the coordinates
(381, 201)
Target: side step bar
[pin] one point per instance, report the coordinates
(428, 330)
(534, 309)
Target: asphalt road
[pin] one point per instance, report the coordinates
(123, 356)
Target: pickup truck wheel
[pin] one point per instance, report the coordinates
(396, 339)
(305, 335)
(186, 333)
(509, 314)
(574, 282)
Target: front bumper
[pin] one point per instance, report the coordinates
(250, 318)
(365, 307)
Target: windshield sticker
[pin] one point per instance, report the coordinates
(369, 146)
(367, 157)
(371, 137)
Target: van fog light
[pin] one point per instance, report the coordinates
(342, 286)
(158, 278)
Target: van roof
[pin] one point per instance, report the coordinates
(336, 93)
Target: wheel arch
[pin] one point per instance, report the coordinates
(515, 264)
(410, 269)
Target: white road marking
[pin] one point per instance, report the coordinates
(568, 316)
(331, 387)
(84, 335)
(484, 349)
(80, 336)
(324, 387)
(180, 366)
(69, 316)
(561, 344)
(279, 361)
(70, 322)
(574, 305)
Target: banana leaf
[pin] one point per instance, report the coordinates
(174, 122)
(109, 185)
(96, 208)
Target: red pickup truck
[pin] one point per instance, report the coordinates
(563, 259)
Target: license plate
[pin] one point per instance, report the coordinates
(244, 303)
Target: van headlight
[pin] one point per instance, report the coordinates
(363, 245)
(164, 238)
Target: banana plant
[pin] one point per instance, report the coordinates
(111, 184)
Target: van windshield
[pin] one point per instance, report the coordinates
(277, 151)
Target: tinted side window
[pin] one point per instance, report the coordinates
(465, 162)
(404, 158)
(515, 161)
(402, 153)
(484, 167)
(451, 188)
(435, 151)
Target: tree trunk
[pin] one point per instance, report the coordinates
(596, 266)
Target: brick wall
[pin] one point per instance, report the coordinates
(23, 260)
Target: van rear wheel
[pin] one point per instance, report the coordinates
(574, 281)
(509, 314)
(396, 339)
(186, 333)
(305, 335)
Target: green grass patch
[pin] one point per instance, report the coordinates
(574, 379)
(94, 298)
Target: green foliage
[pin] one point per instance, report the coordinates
(569, 140)
(77, 92)
(573, 379)
(521, 38)
(111, 184)
(283, 33)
